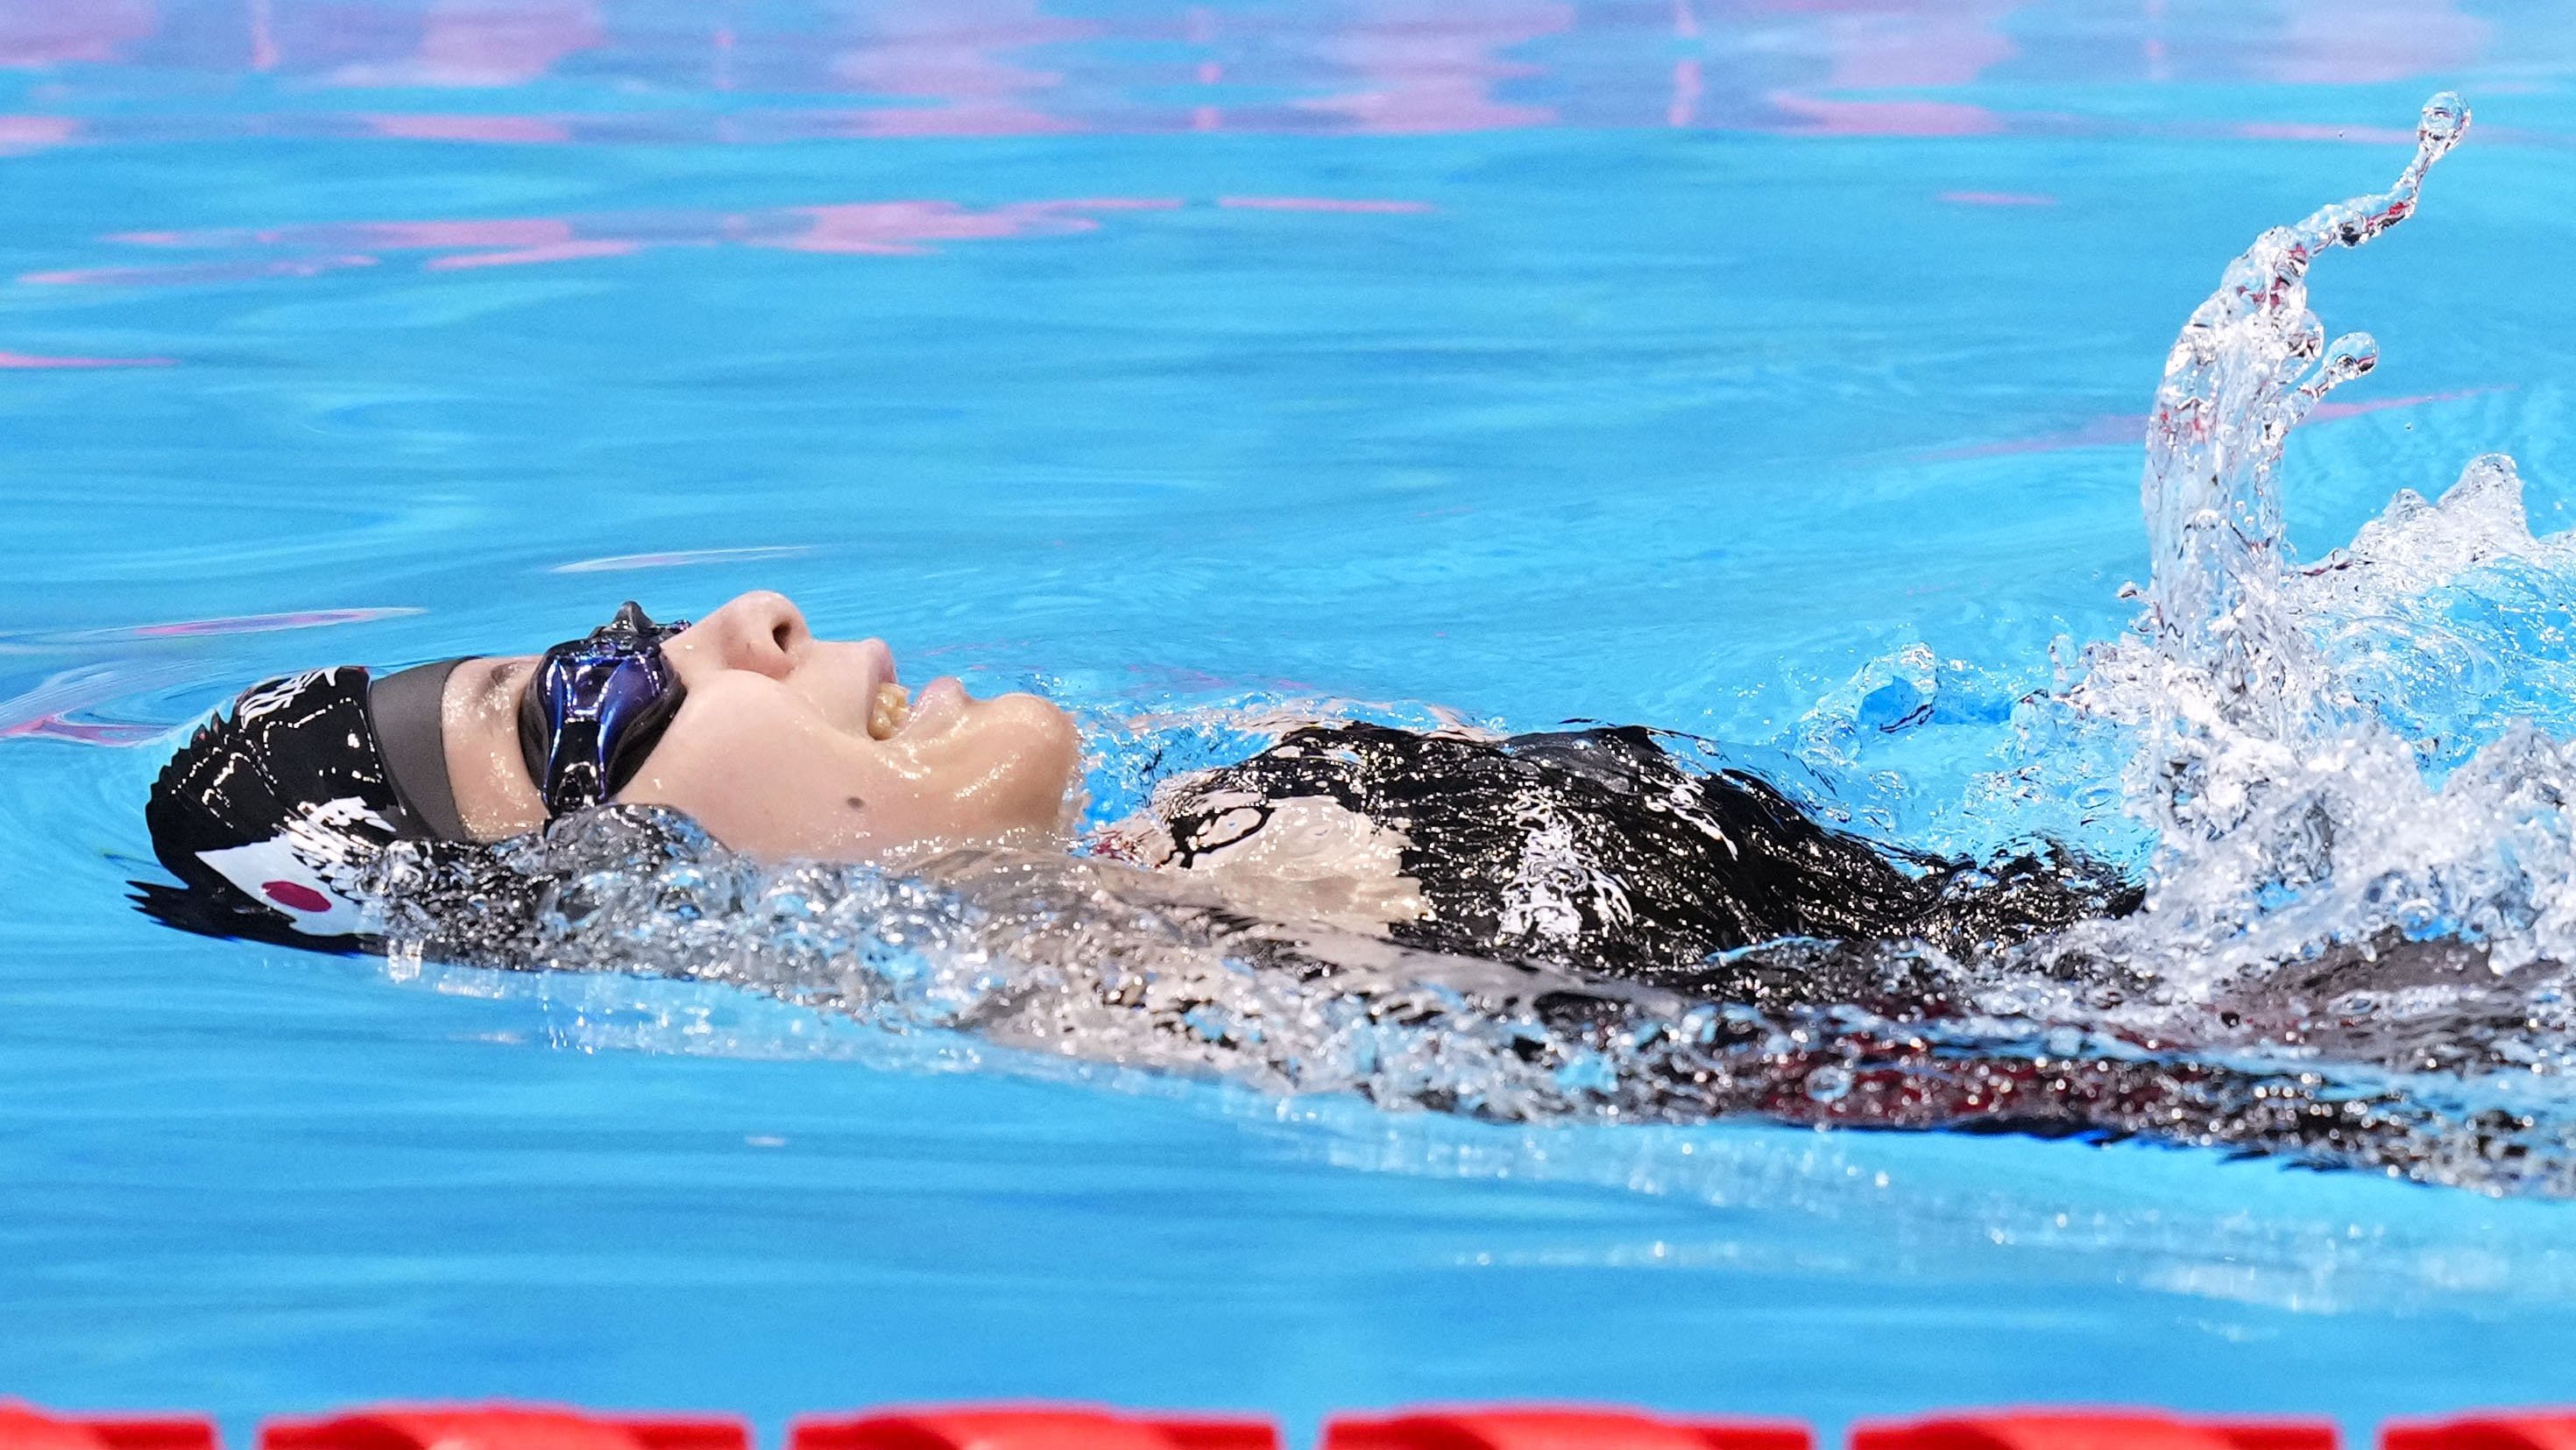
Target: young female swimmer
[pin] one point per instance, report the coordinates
(1594, 850)
(1605, 885)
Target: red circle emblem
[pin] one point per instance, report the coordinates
(295, 896)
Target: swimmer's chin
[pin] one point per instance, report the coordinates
(904, 856)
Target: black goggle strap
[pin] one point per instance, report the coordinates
(595, 709)
(407, 711)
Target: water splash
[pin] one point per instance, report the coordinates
(2241, 375)
(2250, 364)
(2292, 811)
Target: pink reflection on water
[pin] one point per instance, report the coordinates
(474, 243)
(1325, 203)
(1688, 86)
(898, 227)
(953, 55)
(56, 707)
(2328, 412)
(874, 227)
(528, 256)
(1008, 67)
(1943, 44)
(61, 726)
(901, 121)
(1199, 28)
(502, 232)
(253, 623)
(1878, 46)
(2130, 429)
(496, 232)
(263, 35)
(61, 32)
(202, 272)
(1116, 203)
(487, 43)
(682, 558)
(38, 361)
(35, 133)
(504, 130)
(1886, 118)
(2366, 42)
(1426, 65)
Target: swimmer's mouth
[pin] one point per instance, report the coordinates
(889, 712)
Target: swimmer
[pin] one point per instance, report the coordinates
(1603, 885)
(1595, 850)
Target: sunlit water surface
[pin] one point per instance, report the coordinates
(1715, 367)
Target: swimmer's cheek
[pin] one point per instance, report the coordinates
(782, 786)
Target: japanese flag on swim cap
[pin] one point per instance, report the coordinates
(273, 814)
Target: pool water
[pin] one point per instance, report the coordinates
(1699, 365)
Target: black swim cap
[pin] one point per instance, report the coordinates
(273, 815)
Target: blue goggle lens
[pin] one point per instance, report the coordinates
(596, 707)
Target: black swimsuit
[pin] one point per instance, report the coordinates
(1596, 849)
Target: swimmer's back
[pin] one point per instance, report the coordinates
(1593, 849)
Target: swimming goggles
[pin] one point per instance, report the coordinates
(597, 706)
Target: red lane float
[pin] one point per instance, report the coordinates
(24, 1427)
(1078, 1427)
(1032, 1427)
(1551, 1428)
(2091, 1430)
(504, 1427)
(2523, 1430)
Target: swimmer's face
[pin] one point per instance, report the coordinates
(790, 746)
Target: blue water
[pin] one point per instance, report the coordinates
(1618, 361)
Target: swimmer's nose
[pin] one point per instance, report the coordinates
(761, 631)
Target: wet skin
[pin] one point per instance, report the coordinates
(790, 746)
